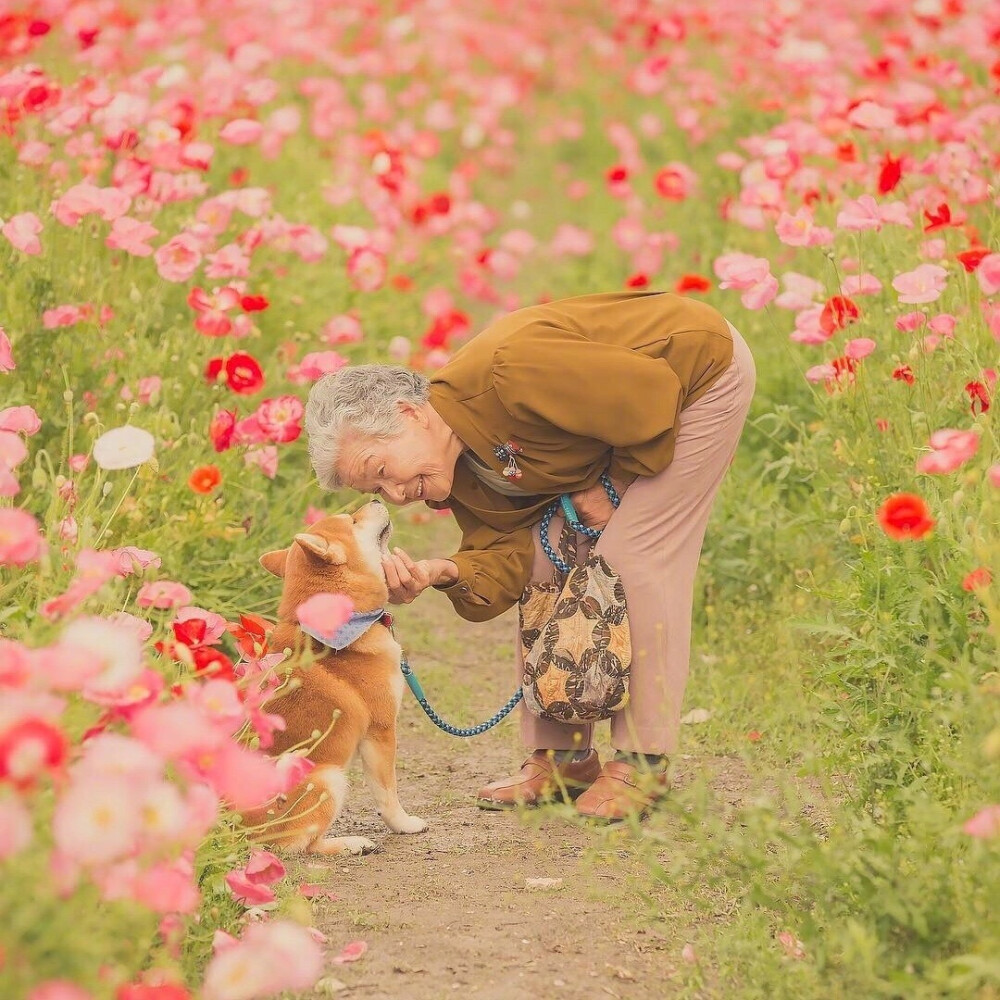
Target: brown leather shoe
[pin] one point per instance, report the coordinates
(622, 790)
(541, 780)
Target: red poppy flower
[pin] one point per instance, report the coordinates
(250, 634)
(204, 479)
(980, 577)
(839, 311)
(979, 397)
(904, 374)
(213, 369)
(148, 991)
(222, 429)
(937, 218)
(190, 633)
(616, 175)
(253, 303)
(213, 663)
(244, 374)
(905, 516)
(692, 283)
(971, 259)
(890, 174)
(638, 280)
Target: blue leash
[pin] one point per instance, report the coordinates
(573, 520)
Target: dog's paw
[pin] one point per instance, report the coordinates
(345, 845)
(410, 824)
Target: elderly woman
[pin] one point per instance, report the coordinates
(650, 389)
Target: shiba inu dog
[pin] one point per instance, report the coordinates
(350, 677)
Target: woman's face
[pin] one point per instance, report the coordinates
(414, 465)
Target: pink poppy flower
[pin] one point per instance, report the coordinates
(274, 956)
(87, 199)
(241, 132)
(244, 778)
(34, 153)
(280, 418)
(988, 274)
(859, 348)
(264, 868)
(163, 594)
(861, 284)
(265, 459)
(985, 824)
(212, 309)
(799, 229)
(118, 648)
(6, 353)
(21, 540)
(367, 269)
(860, 215)
(248, 892)
(13, 451)
(130, 235)
(571, 241)
(871, 115)
(325, 613)
(66, 667)
(97, 819)
(911, 321)
(167, 887)
(22, 230)
(924, 283)
(178, 258)
(229, 261)
(315, 365)
(992, 474)
(215, 625)
(344, 329)
(20, 419)
(951, 449)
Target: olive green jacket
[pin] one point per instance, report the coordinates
(582, 386)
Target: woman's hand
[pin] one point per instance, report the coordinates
(407, 579)
(593, 507)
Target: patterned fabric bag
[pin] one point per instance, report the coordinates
(574, 633)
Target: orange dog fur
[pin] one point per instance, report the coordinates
(359, 688)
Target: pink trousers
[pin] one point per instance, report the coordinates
(653, 541)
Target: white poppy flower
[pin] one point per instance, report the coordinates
(123, 448)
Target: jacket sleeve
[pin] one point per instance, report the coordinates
(493, 567)
(609, 393)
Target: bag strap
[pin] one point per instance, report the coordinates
(572, 520)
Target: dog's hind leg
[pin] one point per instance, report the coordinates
(378, 758)
(334, 781)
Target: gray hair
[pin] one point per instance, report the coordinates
(362, 400)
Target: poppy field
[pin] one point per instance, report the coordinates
(206, 205)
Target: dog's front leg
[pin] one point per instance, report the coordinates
(378, 759)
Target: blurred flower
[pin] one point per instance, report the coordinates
(204, 478)
(6, 354)
(692, 283)
(904, 373)
(951, 449)
(985, 824)
(123, 448)
(21, 541)
(59, 989)
(22, 231)
(163, 594)
(979, 397)
(325, 613)
(30, 749)
(241, 132)
(222, 428)
(923, 284)
(905, 516)
(978, 578)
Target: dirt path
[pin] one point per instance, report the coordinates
(453, 911)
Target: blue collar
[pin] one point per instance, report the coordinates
(352, 630)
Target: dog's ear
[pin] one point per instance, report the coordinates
(274, 562)
(334, 552)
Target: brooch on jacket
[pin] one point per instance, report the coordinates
(507, 452)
